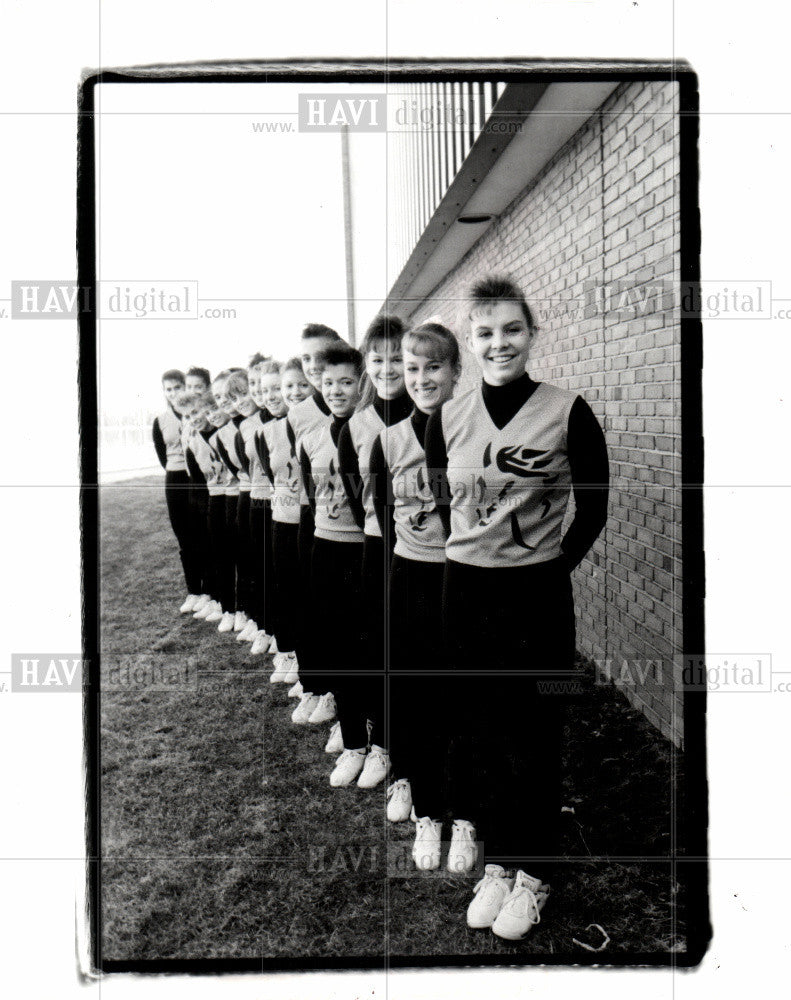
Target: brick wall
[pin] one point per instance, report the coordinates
(604, 211)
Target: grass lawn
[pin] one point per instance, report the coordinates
(221, 837)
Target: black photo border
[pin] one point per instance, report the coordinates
(692, 870)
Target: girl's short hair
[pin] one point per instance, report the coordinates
(222, 376)
(186, 399)
(293, 365)
(342, 354)
(314, 330)
(237, 383)
(201, 373)
(486, 292)
(269, 367)
(173, 375)
(382, 328)
(435, 341)
(258, 359)
(208, 401)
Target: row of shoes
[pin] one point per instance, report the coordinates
(510, 905)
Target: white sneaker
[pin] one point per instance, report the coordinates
(325, 710)
(201, 603)
(205, 611)
(189, 604)
(240, 619)
(249, 632)
(279, 674)
(463, 851)
(488, 897)
(291, 666)
(216, 615)
(348, 767)
(428, 844)
(296, 691)
(521, 910)
(377, 766)
(260, 643)
(273, 645)
(226, 623)
(399, 801)
(335, 742)
(304, 709)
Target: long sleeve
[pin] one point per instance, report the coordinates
(241, 454)
(159, 444)
(382, 493)
(226, 459)
(590, 476)
(437, 465)
(195, 471)
(262, 450)
(349, 468)
(307, 479)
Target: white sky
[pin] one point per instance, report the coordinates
(187, 191)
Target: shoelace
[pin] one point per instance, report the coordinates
(396, 786)
(423, 827)
(525, 890)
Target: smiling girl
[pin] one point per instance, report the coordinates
(508, 454)
(406, 507)
(384, 402)
(279, 456)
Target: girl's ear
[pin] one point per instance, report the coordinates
(456, 373)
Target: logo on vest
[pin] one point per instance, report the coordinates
(418, 520)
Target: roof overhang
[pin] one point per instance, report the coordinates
(533, 122)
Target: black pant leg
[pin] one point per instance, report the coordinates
(231, 514)
(505, 760)
(418, 725)
(199, 539)
(177, 497)
(335, 604)
(287, 594)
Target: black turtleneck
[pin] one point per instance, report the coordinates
(336, 426)
(587, 454)
(391, 411)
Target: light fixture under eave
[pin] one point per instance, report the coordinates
(473, 220)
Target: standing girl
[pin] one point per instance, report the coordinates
(280, 392)
(384, 402)
(508, 453)
(406, 507)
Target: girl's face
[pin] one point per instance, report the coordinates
(429, 382)
(273, 397)
(217, 417)
(384, 365)
(196, 417)
(295, 387)
(244, 404)
(224, 401)
(196, 384)
(312, 356)
(254, 381)
(171, 388)
(340, 387)
(499, 339)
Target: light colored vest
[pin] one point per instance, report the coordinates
(509, 487)
(288, 494)
(251, 482)
(227, 434)
(418, 528)
(334, 518)
(306, 417)
(211, 464)
(170, 426)
(364, 427)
